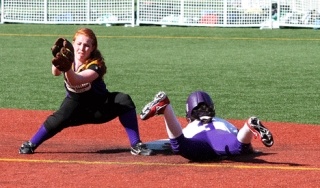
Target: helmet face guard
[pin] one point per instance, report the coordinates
(195, 99)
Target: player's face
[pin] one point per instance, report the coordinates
(82, 47)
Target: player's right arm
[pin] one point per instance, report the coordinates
(82, 77)
(55, 71)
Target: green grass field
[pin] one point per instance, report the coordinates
(273, 74)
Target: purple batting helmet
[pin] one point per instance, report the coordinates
(195, 99)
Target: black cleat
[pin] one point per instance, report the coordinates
(27, 148)
(258, 129)
(141, 149)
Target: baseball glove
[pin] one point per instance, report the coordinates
(63, 54)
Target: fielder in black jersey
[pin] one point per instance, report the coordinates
(87, 100)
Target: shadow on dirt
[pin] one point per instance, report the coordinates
(250, 158)
(112, 151)
(122, 150)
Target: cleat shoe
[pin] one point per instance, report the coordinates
(27, 148)
(141, 149)
(155, 107)
(258, 129)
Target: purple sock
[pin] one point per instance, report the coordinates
(130, 123)
(40, 136)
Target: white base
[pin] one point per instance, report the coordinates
(161, 145)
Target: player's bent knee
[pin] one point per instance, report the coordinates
(125, 100)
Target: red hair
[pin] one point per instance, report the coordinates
(89, 33)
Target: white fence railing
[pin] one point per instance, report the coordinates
(68, 11)
(217, 13)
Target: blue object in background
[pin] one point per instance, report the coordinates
(316, 24)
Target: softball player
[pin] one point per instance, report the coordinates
(206, 137)
(87, 100)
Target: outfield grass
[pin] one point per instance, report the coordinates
(269, 73)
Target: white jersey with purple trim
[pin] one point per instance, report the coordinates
(196, 127)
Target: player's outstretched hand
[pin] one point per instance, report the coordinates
(63, 54)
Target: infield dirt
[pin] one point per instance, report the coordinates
(98, 156)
